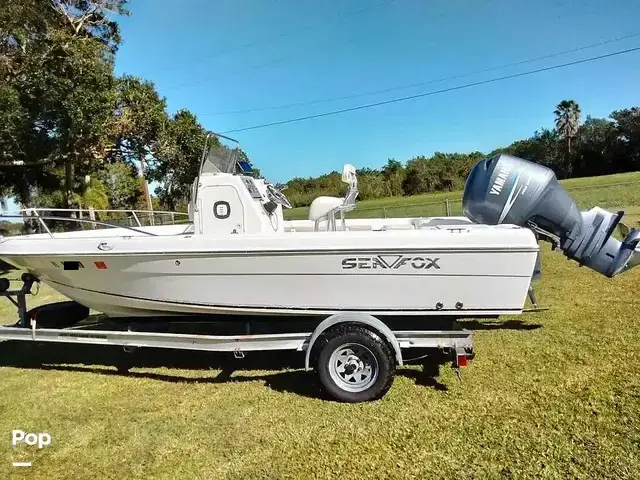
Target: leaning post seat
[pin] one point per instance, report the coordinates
(325, 208)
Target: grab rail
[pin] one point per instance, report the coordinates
(77, 220)
(33, 211)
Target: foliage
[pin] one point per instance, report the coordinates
(177, 160)
(394, 175)
(596, 148)
(627, 127)
(567, 119)
(567, 122)
(443, 171)
(599, 146)
(56, 79)
(9, 228)
(139, 120)
(122, 183)
(94, 195)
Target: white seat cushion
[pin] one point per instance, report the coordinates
(359, 228)
(323, 205)
(406, 226)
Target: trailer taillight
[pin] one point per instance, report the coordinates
(460, 357)
(461, 360)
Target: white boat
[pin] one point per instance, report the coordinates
(238, 255)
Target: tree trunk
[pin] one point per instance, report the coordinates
(568, 157)
(29, 226)
(147, 195)
(68, 182)
(25, 193)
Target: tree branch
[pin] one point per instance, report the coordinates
(22, 163)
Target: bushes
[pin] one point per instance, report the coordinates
(601, 146)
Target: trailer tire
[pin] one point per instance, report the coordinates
(354, 364)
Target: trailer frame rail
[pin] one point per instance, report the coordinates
(455, 344)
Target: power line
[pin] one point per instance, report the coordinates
(305, 54)
(434, 92)
(268, 63)
(292, 57)
(256, 43)
(402, 87)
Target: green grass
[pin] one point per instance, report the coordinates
(549, 395)
(604, 191)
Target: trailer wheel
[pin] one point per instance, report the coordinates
(354, 364)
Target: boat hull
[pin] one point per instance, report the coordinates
(468, 282)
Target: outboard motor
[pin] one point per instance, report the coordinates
(508, 189)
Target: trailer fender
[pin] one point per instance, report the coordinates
(353, 317)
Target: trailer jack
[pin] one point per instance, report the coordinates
(19, 297)
(532, 298)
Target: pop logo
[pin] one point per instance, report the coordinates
(40, 439)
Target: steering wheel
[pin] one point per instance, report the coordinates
(277, 196)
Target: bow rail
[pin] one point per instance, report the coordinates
(134, 220)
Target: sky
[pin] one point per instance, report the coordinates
(215, 57)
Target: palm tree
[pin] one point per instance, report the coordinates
(567, 114)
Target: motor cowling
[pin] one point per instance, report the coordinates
(508, 189)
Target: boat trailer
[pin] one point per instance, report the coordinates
(354, 354)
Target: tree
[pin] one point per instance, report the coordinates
(394, 175)
(177, 160)
(544, 147)
(56, 78)
(442, 171)
(90, 19)
(256, 173)
(567, 121)
(139, 120)
(627, 142)
(595, 148)
(123, 184)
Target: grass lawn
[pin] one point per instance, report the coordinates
(554, 394)
(549, 395)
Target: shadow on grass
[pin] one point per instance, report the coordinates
(423, 378)
(114, 361)
(5, 268)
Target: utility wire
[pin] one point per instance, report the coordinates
(433, 92)
(268, 41)
(442, 79)
(280, 60)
